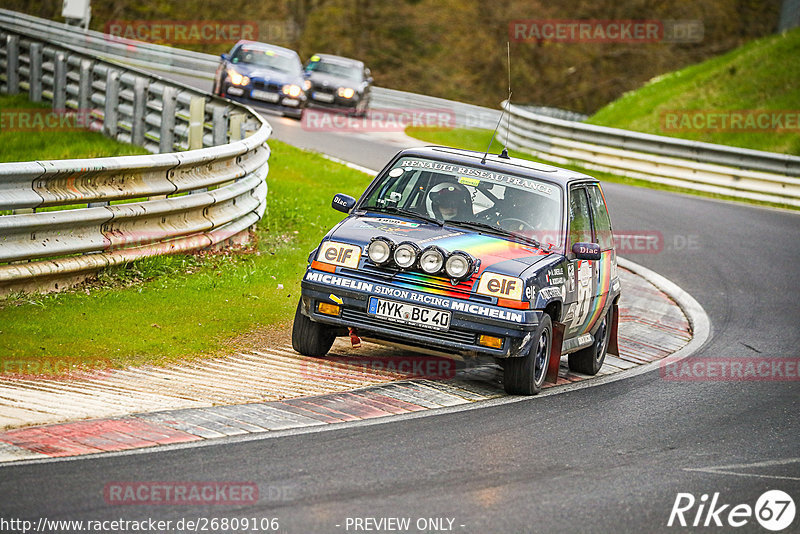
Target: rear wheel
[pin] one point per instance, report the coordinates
(589, 360)
(311, 338)
(525, 375)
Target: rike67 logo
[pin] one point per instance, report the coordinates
(774, 510)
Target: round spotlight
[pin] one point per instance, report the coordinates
(432, 260)
(405, 255)
(459, 265)
(380, 250)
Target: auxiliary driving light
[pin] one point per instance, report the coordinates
(459, 265)
(405, 255)
(346, 92)
(380, 250)
(432, 260)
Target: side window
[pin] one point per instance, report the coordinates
(580, 224)
(602, 224)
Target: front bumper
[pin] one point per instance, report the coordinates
(514, 326)
(283, 103)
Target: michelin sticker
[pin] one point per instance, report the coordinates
(432, 300)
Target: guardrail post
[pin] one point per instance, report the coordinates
(84, 87)
(12, 64)
(236, 125)
(60, 83)
(139, 105)
(166, 137)
(219, 132)
(110, 115)
(35, 81)
(197, 115)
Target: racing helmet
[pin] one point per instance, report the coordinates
(451, 197)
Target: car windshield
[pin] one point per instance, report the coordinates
(350, 72)
(265, 58)
(472, 197)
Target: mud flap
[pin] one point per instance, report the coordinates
(555, 352)
(613, 342)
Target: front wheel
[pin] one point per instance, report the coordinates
(589, 360)
(525, 375)
(311, 338)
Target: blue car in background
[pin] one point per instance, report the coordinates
(262, 74)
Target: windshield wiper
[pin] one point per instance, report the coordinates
(403, 211)
(477, 225)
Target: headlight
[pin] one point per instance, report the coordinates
(432, 260)
(236, 78)
(346, 92)
(380, 250)
(405, 255)
(459, 265)
(307, 85)
(292, 90)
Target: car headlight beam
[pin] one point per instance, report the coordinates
(346, 92)
(292, 90)
(237, 78)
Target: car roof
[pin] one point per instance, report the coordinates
(340, 59)
(265, 46)
(494, 162)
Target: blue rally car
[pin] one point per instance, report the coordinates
(473, 256)
(266, 75)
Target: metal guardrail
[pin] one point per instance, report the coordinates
(136, 206)
(721, 169)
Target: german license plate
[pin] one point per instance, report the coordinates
(410, 314)
(264, 95)
(323, 97)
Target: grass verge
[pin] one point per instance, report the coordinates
(477, 139)
(27, 134)
(761, 75)
(175, 307)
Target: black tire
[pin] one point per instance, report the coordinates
(589, 360)
(310, 338)
(525, 375)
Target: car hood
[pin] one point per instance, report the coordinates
(321, 78)
(495, 253)
(259, 72)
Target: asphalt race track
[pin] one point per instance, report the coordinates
(610, 458)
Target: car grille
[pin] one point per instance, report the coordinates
(266, 86)
(419, 280)
(328, 90)
(363, 320)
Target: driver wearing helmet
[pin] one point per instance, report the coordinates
(450, 201)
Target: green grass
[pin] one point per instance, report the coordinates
(476, 139)
(26, 144)
(761, 75)
(174, 307)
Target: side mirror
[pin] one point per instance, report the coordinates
(343, 203)
(225, 57)
(586, 251)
